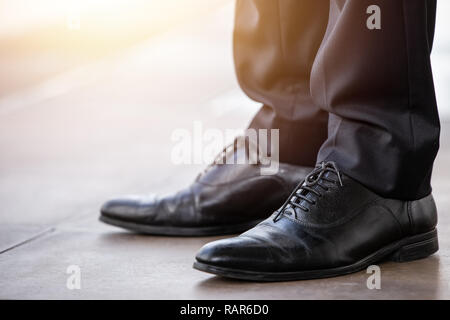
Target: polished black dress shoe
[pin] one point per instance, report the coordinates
(330, 225)
(225, 199)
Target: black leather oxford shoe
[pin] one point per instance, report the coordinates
(225, 199)
(330, 225)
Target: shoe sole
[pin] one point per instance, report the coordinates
(407, 249)
(180, 231)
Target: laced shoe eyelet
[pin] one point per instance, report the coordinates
(315, 177)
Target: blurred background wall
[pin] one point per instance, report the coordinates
(440, 59)
(40, 39)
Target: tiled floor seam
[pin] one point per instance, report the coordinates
(29, 240)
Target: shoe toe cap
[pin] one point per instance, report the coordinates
(238, 253)
(128, 207)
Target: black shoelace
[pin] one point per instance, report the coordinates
(315, 177)
(221, 157)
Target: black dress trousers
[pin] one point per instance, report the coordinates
(275, 43)
(371, 76)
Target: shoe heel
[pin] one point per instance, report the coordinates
(423, 246)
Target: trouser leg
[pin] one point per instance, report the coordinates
(275, 43)
(377, 86)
